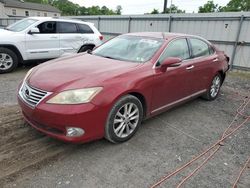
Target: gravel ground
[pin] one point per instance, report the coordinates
(162, 144)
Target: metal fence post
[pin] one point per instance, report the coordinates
(129, 24)
(98, 23)
(170, 23)
(236, 41)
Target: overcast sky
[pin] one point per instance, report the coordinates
(146, 6)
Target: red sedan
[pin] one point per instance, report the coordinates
(108, 92)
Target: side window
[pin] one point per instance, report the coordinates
(47, 27)
(199, 48)
(85, 28)
(66, 27)
(177, 48)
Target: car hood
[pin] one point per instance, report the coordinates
(82, 70)
(5, 32)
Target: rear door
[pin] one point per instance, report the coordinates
(201, 70)
(43, 45)
(87, 34)
(70, 38)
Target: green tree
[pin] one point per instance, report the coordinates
(173, 9)
(208, 7)
(68, 8)
(119, 10)
(155, 11)
(236, 6)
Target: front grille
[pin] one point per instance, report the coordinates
(32, 96)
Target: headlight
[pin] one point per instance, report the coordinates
(77, 96)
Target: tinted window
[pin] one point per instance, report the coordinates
(84, 28)
(66, 27)
(199, 48)
(47, 27)
(177, 48)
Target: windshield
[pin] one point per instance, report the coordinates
(21, 25)
(129, 48)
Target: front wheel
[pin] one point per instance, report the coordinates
(214, 89)
(124, 119)
(8, 60)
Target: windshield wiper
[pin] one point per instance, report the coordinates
(109, 57)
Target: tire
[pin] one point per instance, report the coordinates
(85, 48)
(8, 60)
(124, 127)
(214, 89)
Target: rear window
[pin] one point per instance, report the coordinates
(83, 28)
(66, 27)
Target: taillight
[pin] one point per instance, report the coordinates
(101, 37)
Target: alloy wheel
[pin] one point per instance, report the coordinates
(6, 61)
(214, 90)
(126, 120)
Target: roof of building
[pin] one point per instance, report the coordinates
(28, 5)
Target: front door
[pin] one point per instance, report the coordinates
(45, 44)
(172, 86)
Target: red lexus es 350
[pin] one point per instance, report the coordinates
(109, 91)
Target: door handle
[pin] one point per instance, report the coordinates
(53, 37)
(215, 59)
(190, 67)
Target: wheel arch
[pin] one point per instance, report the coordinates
(14, 49)
(87, 44)
(222, 74)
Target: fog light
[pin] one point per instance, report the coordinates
(74, 132)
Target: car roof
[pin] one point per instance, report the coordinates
(161, 35)
(60, 19)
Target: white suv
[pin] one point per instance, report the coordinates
(38, 38)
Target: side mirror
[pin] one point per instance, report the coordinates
(170, 62)
(34, 30)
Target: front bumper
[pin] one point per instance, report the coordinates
(53, 119)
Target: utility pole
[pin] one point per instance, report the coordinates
(165, 6)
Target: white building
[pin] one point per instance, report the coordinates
(19, 8)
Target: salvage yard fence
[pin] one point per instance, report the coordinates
(230, 32)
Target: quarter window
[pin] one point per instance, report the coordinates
(47, 27)
(66, 27)
(199, 48)
(177, 48)
(85, 28)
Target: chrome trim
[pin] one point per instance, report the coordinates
(190, 67)
(180, 100)
(185, 60)
(31, 95)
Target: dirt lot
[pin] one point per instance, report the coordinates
(162, 144)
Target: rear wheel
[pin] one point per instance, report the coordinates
(214, 89)
(124, 119)
(8, 60)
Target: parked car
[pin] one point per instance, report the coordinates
(39, 38)
(107, 93)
